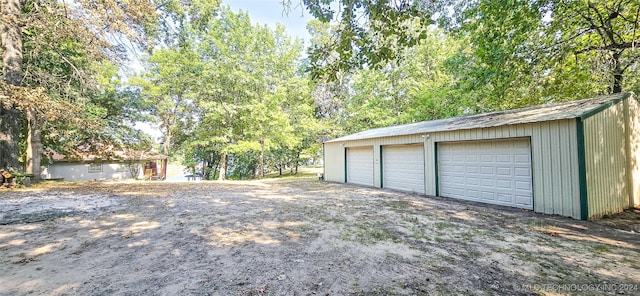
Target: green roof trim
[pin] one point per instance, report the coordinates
(604, 106)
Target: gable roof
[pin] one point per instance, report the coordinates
(548, 112)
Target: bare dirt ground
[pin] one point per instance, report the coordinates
(298, 236)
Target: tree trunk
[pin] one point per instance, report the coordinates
(223, 167)
(261, 161)
(167, 142)
(618, 73)
(297, 161)
(34, 145)
(10, 118)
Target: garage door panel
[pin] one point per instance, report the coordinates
(522, 185)
(403, 167)
(487, 170)
(484, 158)
(522, 172)
(504, 184)
(506, 198)
(473, 193)
(360, 165)
(503, 171)
(497, 172)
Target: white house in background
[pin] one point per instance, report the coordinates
(119, 165)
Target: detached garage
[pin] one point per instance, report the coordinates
(577, 159)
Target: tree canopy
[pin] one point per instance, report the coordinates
(237, 99)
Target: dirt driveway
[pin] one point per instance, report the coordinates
(296, 237)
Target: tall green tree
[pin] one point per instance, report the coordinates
(517, 52)
(168, 90)
(246, 111)
(93, 26)
(367, 32)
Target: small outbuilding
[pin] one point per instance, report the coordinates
(577, 159)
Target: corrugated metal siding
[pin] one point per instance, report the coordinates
(334, 162)
(606, 161)
(634, 150)
(556, 188)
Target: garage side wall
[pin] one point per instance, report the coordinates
(554, 158)
(634, 150)
(334, 162)
(605, 135)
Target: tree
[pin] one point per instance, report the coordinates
(167, 89)
(603, 32)
(531, 52)
(93, 26)
(367, 32)
(10, 121)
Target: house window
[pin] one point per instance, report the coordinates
(95, 167)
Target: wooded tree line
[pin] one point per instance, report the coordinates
(242, 99)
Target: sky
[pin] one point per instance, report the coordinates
(270, 12)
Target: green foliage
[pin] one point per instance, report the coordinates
(367, 33)
(253, 109)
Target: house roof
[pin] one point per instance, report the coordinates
(124, 154)
(548, 112)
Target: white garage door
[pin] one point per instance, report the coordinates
(403, 167)
(496, 172)
(360, 165)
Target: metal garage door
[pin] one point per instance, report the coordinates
(360, 165)
(496, 172)
(403, 167)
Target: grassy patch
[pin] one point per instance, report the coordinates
(398, 205)
(444, 225)
(368, 233)
(522, 254)
(601, 249)
(420, 235)
(411, 219)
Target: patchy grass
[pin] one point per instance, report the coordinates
(442, 225)
(601, 249)
(369, 233)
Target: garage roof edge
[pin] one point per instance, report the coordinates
(549, 112)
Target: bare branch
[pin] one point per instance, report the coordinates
(619, 46)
